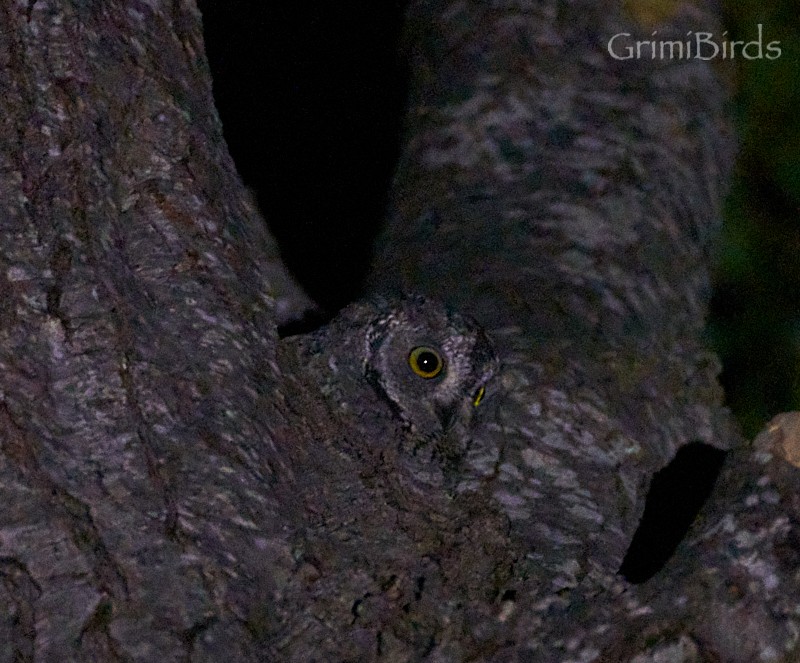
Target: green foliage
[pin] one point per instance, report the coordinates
(755, 322)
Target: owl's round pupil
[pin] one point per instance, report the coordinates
(425, 362)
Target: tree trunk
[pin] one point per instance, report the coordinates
(180, 484)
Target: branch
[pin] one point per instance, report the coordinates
(569, 201)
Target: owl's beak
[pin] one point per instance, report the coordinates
(445, 416)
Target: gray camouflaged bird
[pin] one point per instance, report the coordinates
(404, 369)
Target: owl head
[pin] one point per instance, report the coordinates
(403, 366)
(429, 365)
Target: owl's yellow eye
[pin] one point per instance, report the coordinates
(476, 400)
(425, 362)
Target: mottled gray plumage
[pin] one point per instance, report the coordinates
(362, 363)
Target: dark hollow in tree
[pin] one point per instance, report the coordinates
(676, 495)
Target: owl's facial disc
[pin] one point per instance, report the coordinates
(430, 366)
(427, 363)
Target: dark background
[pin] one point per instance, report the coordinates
(755, 316)
(311, 99)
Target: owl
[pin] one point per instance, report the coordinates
(404, 369)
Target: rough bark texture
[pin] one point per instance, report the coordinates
(567, 200)
(176, 483)
(137, 332)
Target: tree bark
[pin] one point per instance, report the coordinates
(139, 299)
(568, 201)
(175, 484)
